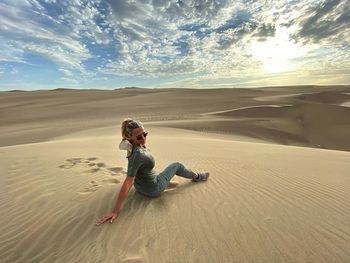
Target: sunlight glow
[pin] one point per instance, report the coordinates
(277, 53)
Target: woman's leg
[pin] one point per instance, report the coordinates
(175, 168)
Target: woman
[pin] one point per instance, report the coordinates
(140, 168)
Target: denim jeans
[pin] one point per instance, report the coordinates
(164, 177)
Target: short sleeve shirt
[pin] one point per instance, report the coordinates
(140, 166)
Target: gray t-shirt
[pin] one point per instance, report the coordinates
(140, 166)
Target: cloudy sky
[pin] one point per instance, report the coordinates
(46, 44)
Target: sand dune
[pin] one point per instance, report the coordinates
(60, 169)
(39, 116)
(319, 125)
(263, 203)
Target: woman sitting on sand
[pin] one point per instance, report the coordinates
(140, 168)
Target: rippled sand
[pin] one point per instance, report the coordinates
(268, 199)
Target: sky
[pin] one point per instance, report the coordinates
(108, 44)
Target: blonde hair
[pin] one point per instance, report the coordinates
(127, 126)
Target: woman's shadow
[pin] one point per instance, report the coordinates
(136, 200)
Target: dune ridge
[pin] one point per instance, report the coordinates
(43, 115)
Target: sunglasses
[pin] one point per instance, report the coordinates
(143, 135)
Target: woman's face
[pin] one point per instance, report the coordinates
(138, 136)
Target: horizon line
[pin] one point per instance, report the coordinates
(157, 88)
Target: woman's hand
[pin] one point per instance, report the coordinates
(110, 216)
(128, 182)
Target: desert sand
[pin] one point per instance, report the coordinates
(278, 191)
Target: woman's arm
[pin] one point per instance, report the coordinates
(128, 182)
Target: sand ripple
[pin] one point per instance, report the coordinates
(262, 203)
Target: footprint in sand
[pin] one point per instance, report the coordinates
(93, 186)
(70, 163)
(111, 181)
(92, 166)
(100, 165)
(93, 170)
(116, 170)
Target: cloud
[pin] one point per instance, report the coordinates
(265, 30)
(55, 32)
(326, 22)
(159, 38)
(9, 53)
(86, 20)
(154, 37)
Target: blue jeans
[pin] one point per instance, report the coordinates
(164, 177)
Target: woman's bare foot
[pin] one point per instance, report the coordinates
(171, 185)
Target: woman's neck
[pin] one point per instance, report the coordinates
(139, 145)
